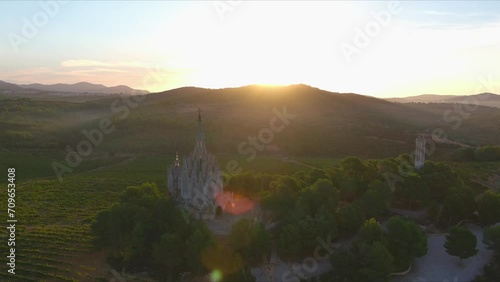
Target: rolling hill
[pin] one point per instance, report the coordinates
(483, 99)
(325, 123)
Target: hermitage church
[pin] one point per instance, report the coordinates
(196, 184)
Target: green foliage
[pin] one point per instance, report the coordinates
(491, 271)
(376, 262)
(405, 240)
(345, 266)
(373, 203)
(364, 262)
(250, 239)
(146, 229)
(461, 242)
(376, 254)
(371, 232)
(458, 205)
(489, 208)
(487, 153)
(249, 184)
(439, 178)
(316, 174)
(303, 214)
(348, 188)
(351, 217)
(491, 239)
(480, 154)
(412, 191)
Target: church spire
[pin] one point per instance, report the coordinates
(176, 158)
(200, 138)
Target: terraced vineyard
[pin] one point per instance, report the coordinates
(53, 238)
(60, 252)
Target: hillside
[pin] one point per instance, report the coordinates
(483, 99)
(326, 123)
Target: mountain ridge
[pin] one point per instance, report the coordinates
(483, 99)
(80, 87)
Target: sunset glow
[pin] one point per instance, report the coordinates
(418, 48)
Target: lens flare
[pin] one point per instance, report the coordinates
(216, 275)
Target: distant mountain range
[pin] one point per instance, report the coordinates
(483, 99)
(81, 87)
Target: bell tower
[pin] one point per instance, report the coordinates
(420, 152)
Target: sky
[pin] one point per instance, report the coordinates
(382, 49)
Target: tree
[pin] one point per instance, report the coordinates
(373, 203)
(290, 242)
(196, 243)
(461, 242)
(383, 188)
(364, 262)
(351, 218)
(240, 236)
(405, 240)
(376, 262)
(315, 175)
(250, 238)
(348, 189)
(491, 239)
(166, 255)
(345, 266)
(146, 231)
(439, 177)
(488, 208)
(412, 191)
(371, 232)
(353, 167)
(220, 260)
(459, 204)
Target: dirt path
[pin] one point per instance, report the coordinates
(124, 162)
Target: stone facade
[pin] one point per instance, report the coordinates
(196, 183)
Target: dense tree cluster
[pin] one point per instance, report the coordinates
(377, 253)
(146, 231)
(336, 201)
(491, 239)
(250, 239)
(488, 207)
(480, 154)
